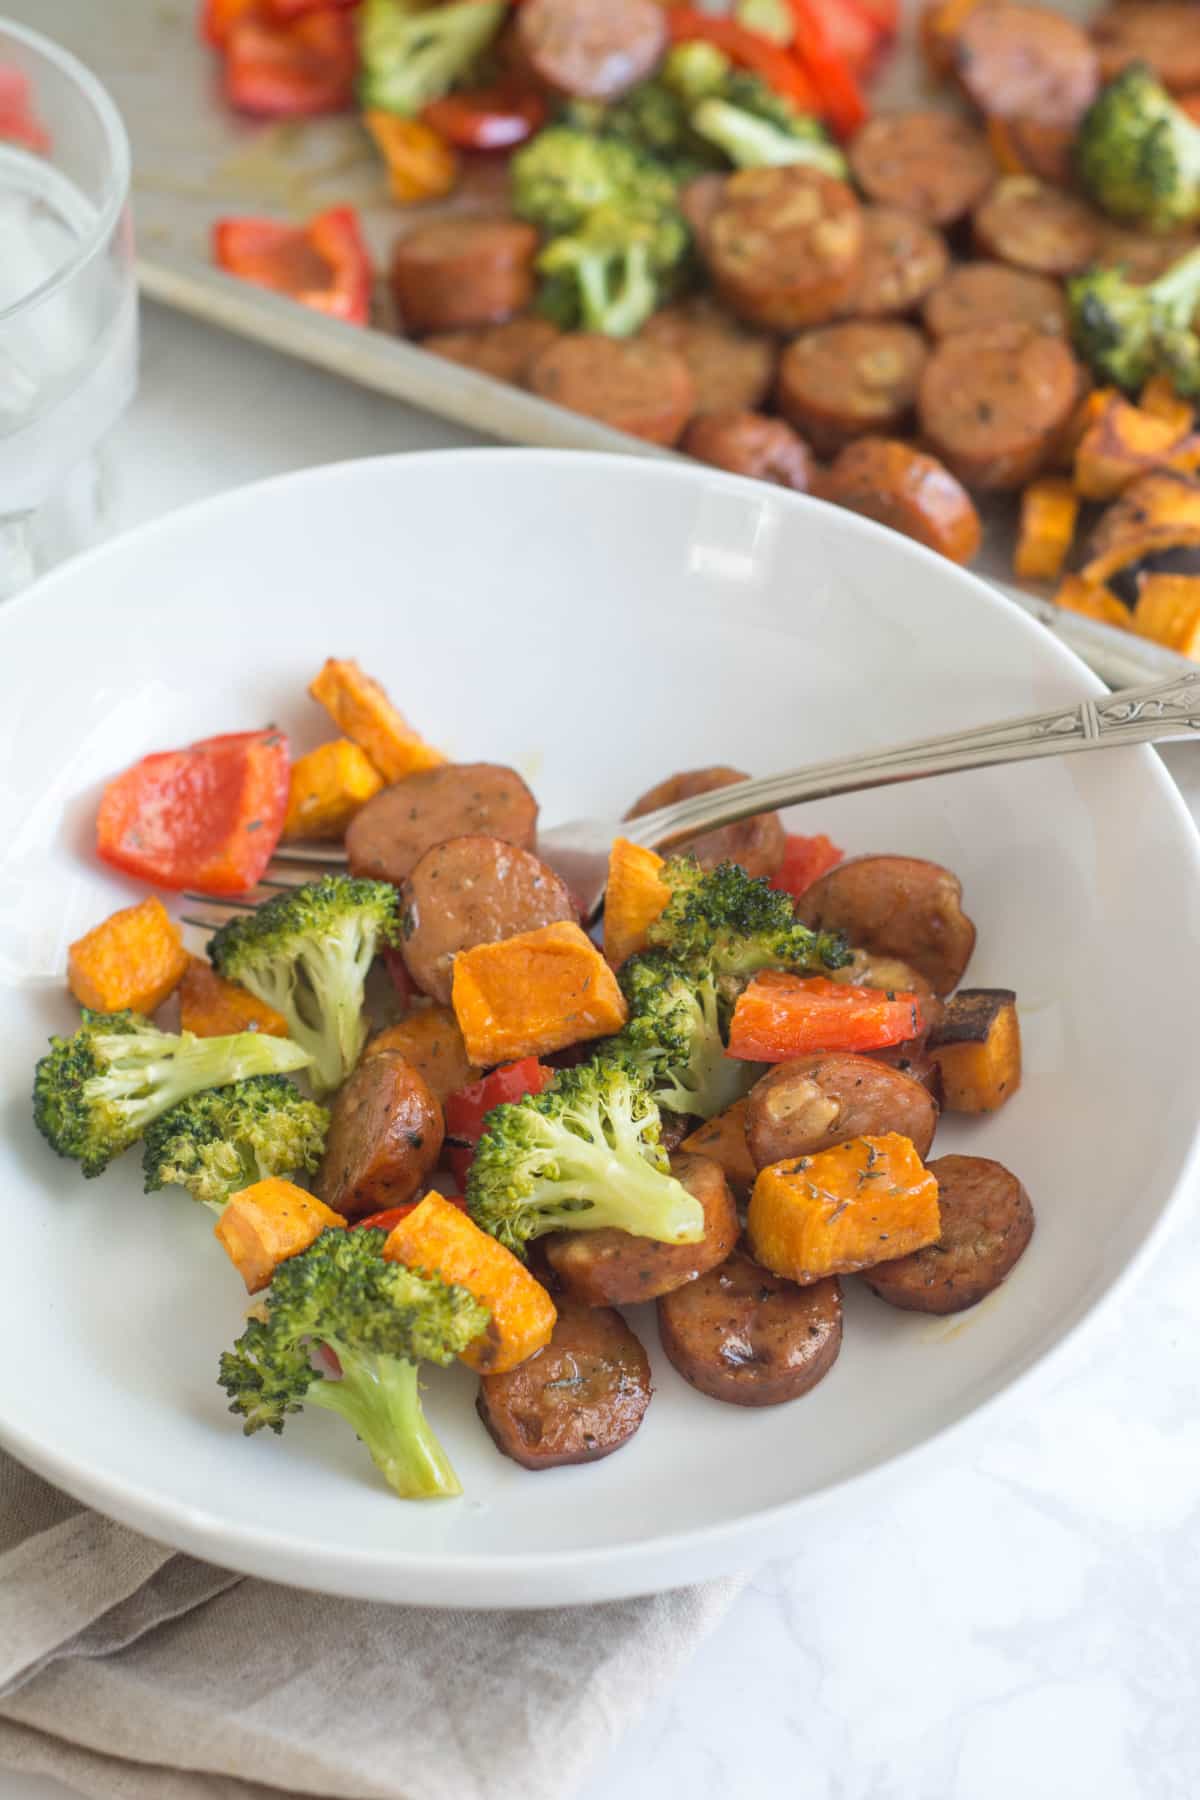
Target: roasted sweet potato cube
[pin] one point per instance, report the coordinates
(135, 958)
(861, 1203)
(210, 1006)
(359, 707)
(328, 786)
(633, 899)
(724, 1140)
(265, 1224)
(977, 1046)
(1049, 510)
(1168, 610)
(534, 993)
(1094, 601)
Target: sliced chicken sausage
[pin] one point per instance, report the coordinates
(749, 443)
(450, 274)
(590, 49)
(904, 259)
(930, 163)
(756, 843)
(1027, 62)
(749, 1337)
(887, 480)
(473, 890)
(809, 1105)
(389, 836)
(731, 368)
(1037, 227)
(784, 246)
(987, 1221)
(850, 380)
(991, 403)
(630, 384)
(614, 1268)
(385, 1135)
(990, 293)
(896, 906)
(1161, 33)
(503, 351)
(577, 1400)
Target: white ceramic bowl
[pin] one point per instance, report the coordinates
(598, 623)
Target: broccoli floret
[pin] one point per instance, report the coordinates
(226, 1139)
(1138, 154)
(727, 924)
(674, 1037)
(562, 175)
(751, 141)
(584, 1153)
(653, 120)
(306, 953)
(613, 271)
(1128, 333)
(94, 1094)
(379, 1319)
(694, 69)
(411, 57)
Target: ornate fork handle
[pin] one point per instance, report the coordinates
(1155, 714)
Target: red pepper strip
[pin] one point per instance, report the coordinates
(838, 93)
(291, 71)
(466, 1110)
(805, 860)
(285, 10)
(780, 1016)
(389, 1219)
(206, 818)
(218, 17)
(883, 14)
(851, 34)
(459, 1158)
(18, 121)
(401, 980)
(748, 49)
(493, 118)
(323, 264)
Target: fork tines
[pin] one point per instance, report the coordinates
(300, 863)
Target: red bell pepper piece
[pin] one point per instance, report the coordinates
(748, 49)
(323, 264)
(805, 860)
(391, 1217)
(208, 817)
(466, 1110)
(293, 70)
(19, 123)
(401, 980)
(495, 118)
(780, 1016)
(284, 10)
(851, 33)
(218, 17)
(459, 1158)
(837, 91)
(883, 14)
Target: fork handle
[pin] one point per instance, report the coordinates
(1155, 714)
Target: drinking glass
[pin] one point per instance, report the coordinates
(68, 301)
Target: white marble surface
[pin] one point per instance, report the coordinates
(1024, 1618)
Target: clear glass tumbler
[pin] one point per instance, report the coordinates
(68, 300)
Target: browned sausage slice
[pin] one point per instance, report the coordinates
(744, 1335)
(757, 843)
(614, 1268)
(452, 273)
(990, 293)
(385, 1135)
(847, 381)
(749, 443)
(914, 1061)
(1159, 32)
(987, 1220)
(504, 352)
(815, 1102)
(699, 200)
(896, 906)
(629, 384)
(730, 366)
(1035, 226)
(1027, 62)
(991, 403)
(591, 49)
(904, 258)
(473, 890)
(891, 482)
(392, 832)
(930, 163)
(784, 246)
(1143, 258)
(577, 1400)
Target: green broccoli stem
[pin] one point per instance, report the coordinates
(622, 1190)
(380, 1397)
(1178, 291)
(143, 1087)
(751, 143)
(320, 996)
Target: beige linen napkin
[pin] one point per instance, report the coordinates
(134, 1673)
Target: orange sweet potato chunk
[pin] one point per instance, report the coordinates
(440, 1239)
(864, 1202)
(328, 786)
(359, 707)
(265, 1224)
(724, 1140)
(535, 993)
(633, 899)
(210, 1006)
(135, 958)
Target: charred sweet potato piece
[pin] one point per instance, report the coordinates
(1049, 509)
(265, 1224)
(1122, 442)
(135, 958)
(1094, 601)
(359, 707)
(213, 1007)
(1168, 610)
(723, 1139)
(977, 1046)
(861, 1203)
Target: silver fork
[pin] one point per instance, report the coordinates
(1159, 713)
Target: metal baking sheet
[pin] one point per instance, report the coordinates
(194, 161)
